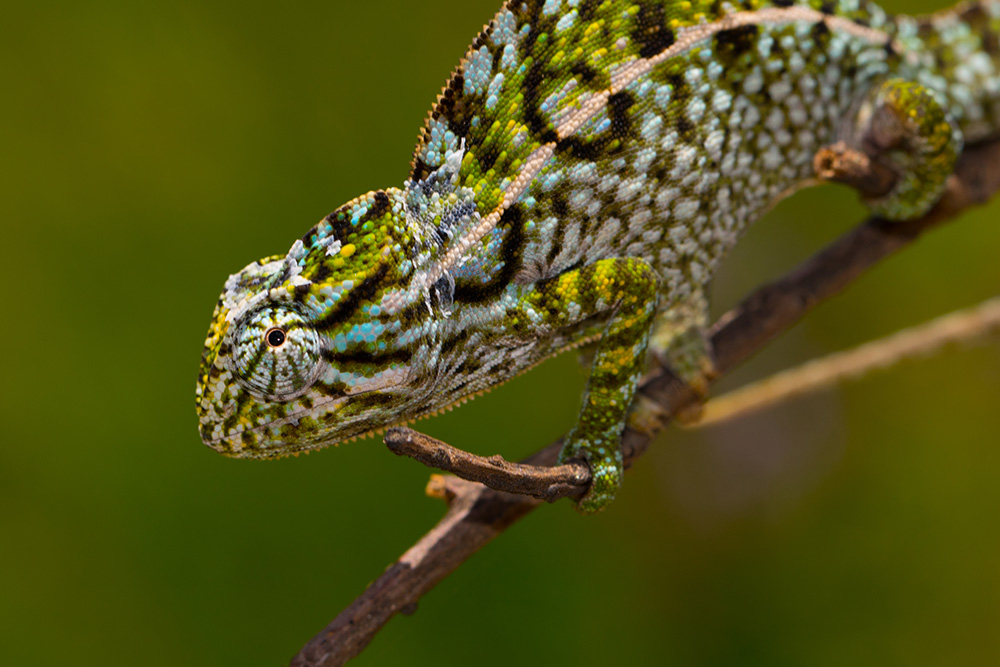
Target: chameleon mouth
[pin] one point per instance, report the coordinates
(285, 450)
(232, 444)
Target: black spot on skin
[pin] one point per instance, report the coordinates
(483, 38)
(777, 51)
(230, 422)
(560, 206)
(473, 291)
(595, 147)
(338, 390)
(448, 95)
(347, 306)
(340, 221)
(320, 273)
(618, 106)
(455, 106)
(974, 13)
(419, 171)
(587, 9)
(680, 91)
(540, 127)
(381, 204)
(258, 356)
(358, 357)
(557, 242)
(533, 79)
(659, 171)
(685, 128)
(991, 45)
(651, 31)
(586, 224)
(590, 149)
(453, 342)
(733, 43)
(487, 157)
(820, 32)
(583, 72)
(373, 399)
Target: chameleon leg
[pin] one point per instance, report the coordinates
(680, 341)
(903, 121)
(624, 291)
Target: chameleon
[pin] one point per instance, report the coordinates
(578, 181)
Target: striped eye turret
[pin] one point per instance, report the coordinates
(276, 353)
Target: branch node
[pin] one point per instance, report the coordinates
(839, 163)
(437, 488)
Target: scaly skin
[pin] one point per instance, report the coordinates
(581, 176)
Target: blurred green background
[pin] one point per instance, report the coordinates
(150, 149)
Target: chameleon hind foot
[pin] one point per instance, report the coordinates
(680, 343)
(902, 124)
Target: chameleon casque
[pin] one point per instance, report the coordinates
(581, 176)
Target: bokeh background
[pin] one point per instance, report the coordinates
(150, 149)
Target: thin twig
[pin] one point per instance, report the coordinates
(960, 326)
(840, 163)
(477, 514)
(545, 483)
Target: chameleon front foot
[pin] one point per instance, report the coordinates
(622, 290)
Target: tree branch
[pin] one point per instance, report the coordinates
(477, 514)
(840, 163)
(960, 326)
(548, 483)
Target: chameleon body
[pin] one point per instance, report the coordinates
(578, 181)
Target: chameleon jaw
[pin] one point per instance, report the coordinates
(266, 441)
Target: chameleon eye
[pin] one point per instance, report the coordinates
(275, 337)
(276, 353)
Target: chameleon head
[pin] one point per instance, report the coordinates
(300, 354)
